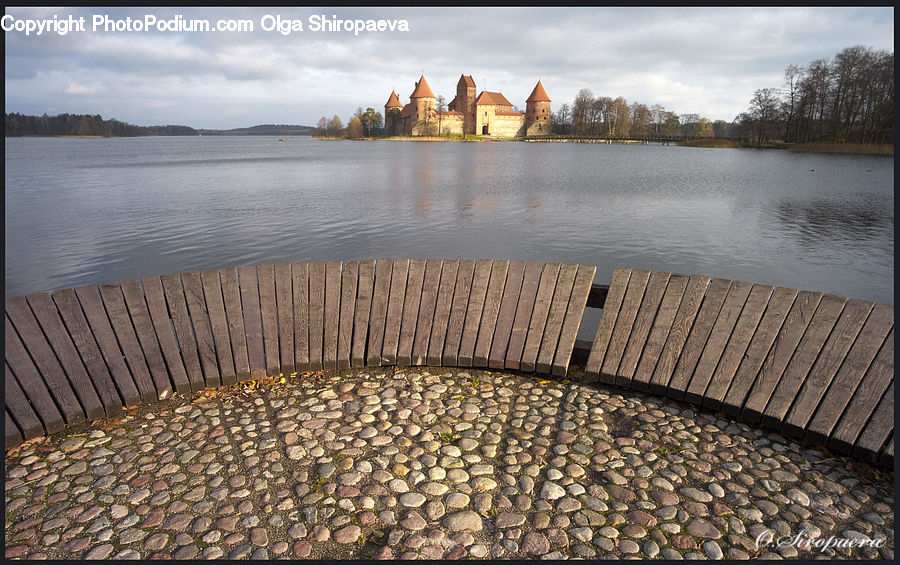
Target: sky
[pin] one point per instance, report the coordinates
(705, 61)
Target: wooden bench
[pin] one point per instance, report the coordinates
(77, 355)
(812, 365)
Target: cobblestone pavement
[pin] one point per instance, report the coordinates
(446, 464)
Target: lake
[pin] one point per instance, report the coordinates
(82, 211)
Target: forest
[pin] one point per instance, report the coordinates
(83, 125)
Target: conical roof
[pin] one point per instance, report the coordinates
(422, 89)
(538, 94)
(393, 101)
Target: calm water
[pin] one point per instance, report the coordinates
(84, 211)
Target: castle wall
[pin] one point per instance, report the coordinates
(508, 126)
(451, 124)
(538, 128)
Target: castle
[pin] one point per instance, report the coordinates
(488, 113)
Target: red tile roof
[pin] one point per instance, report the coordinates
(407, 111)
(493, 98)
(393, 101)
(538, 94)
(422, 89)
(470, 82)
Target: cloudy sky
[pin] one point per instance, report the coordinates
(706, 61)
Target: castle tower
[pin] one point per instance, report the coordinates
(537, 112)
(422, 100)
(392, 103)
(465, 97)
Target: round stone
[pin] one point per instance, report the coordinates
(465, 520)
(412, 499)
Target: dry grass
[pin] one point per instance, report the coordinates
(729, 143)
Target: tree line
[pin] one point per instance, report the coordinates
(84, 125)
(849, 99)
(363, 123)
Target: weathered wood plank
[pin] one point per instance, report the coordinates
(162, 328)
(394, 317)
(218, 321)
(877, 379)
(778, 357)
(20, 315)
(250, 308)
(621, 334)
(611, 307)
(59, 340)
(742, 361)
(21, 410)
(659, 333)
(80, 332)
(184, 331)
(414, 282)
(524, 309)
(231, 294)
(574, 311)
(490, 312)
(361, 330)
(206, 347)
(269, 313)
(284, 304)
(349, 279)
(722, 332)
(640, 328)
(474, 310)
(461, 292)
(427, 306)
(12, 433)
(31, 382)
(111, 294)
(506, 314)
(379, 309)
(539, 316)
(879, 427)
(446, 290)
(89, 299)
(804, 357)
(316, 315)
(557, 313)
(332, 314)
(146, 334)
(836, 356)
(300, 278)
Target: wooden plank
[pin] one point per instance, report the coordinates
(804, 357)
(456, 322)
(378, 316)
(184, 329)
(57, 336)
(879, 427)
(574, 311)
(316, 315)
(48, 367)
(332, 314)
(723, 332)
(146, 334)
(605, 327)
(640, 328)
(365, 288)
(490, 312)
(506, 314)
(539, 315)
(394, 312)
(21, 410)
(31, 382)
(444, 301)
(659, 332)
(250, 309)
(427, 306)
(206, 347)
(414, 282)
(165, 334)
(678, 335)
(89, 299)
(834, 355)
(778, 357)
(560, 301)
(13, 435)
(111, 294)
(269, 314)
(284, 301)
(865, 399)
(524, 309)
(300, 278)
(218, 321)
(628, 312)
(729, 388)
(231, 296)
(474, 310)
(349, 278)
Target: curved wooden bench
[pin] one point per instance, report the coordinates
(813, 365)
